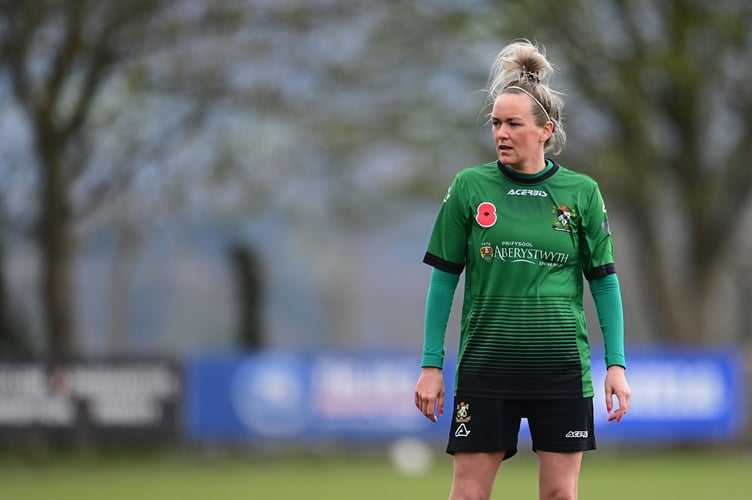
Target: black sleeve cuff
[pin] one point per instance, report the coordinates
(443, 265)
(600, 271)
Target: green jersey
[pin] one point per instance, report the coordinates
(525, 243)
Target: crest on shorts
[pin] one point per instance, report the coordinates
(462, 413)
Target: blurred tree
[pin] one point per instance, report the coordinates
(663, 121)
(15, 342)
(336, 116)
(246, 269)
(364, 115)
(59, 57)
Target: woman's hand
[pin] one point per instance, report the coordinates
(429, 392)
(616, 385)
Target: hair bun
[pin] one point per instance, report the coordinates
(530, 76)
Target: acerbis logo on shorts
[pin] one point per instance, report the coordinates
(577, 434)
(462, 431)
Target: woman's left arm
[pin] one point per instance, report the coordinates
(607, 297)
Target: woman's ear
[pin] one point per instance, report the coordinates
(548, 131)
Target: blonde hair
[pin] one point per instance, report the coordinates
(521, 67)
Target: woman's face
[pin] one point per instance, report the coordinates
(519, 141)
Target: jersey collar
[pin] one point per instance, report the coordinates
(528, 179)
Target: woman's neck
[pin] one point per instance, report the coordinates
(530, 167)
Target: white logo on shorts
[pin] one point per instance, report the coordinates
(461, 431)
(577, 434)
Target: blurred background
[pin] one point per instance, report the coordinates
(213, 214)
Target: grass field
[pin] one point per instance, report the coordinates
(172, 476)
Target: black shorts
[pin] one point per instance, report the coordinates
(482, 424)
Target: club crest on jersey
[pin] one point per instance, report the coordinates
(486, 251)
(563, 218)
(462, 413)
(485, 214)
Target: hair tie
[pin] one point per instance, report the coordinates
(530, 76)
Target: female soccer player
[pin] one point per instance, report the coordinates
(525, 230)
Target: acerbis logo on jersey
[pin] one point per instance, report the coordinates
(447, 195)
(527, 192)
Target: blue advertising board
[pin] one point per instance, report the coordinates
(281, 396)
(278, 396)
(677, 396)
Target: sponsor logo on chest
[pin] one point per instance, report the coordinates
(527, 192)
(523, 252)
